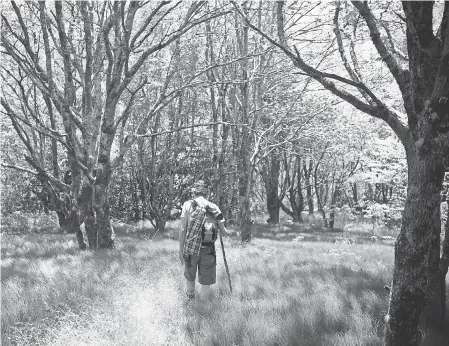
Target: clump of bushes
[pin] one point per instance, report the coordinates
(23, 222)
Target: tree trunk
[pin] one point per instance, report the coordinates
(221, 196)
(216, 164)
(307, 177)
(271, 182)
(106, 236)
(417, 288)
(142, 178)
(160, 223)
(355, 194)
(273, 207)
(370, 192)
(319, 200)
(62, 219)
(74, 226)
(244, 203)
(88, 215)
(69, 219)
(332, 208)
(300, 202)
(244, 165)
(320, 206)
(135, 196)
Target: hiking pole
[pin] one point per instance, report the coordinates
(225, 262)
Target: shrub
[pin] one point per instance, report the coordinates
(21, 222)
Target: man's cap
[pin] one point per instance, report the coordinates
(199, 187)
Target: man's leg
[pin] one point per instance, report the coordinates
(206, 292)
(207, 271)
(190, 268)
(190, 289)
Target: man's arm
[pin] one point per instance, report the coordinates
(182, 233)
(218, 215)
(182, 238)
(222, 228)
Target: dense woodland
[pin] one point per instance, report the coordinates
(111, 110)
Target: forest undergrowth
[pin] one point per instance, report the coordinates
(285, 292)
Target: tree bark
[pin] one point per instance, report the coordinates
(88, 216)
(105, 231)
(106, 236)
(444, 262)
(417, 288)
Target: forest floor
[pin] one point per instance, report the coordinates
(303, 287)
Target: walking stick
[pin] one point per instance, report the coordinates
(225, 262)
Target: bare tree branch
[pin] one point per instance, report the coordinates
(147, 22)
(354, 76)
(22, 169)
(400, 75)
(393, 46)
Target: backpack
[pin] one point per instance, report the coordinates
(209, 229)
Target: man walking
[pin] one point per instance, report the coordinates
(204, 261)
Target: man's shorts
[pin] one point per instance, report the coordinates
(206, 263)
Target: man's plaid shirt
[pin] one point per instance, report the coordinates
(192, 243)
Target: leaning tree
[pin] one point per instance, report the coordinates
(422, 77)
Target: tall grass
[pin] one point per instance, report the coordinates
(284, 293)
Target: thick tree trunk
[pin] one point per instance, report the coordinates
(160, 223)
(273, 207)
(69, 220)
(74, 226)
(245, 221)
(88, 216)
(62, 219)
(106, 236)
(105, 232)
(417, 287)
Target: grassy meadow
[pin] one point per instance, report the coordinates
(290, 287)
